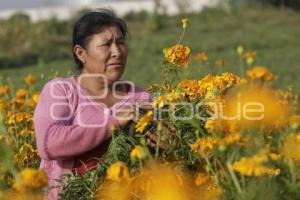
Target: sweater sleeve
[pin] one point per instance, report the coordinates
(56, 137)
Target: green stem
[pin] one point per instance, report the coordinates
(235, 180)
(242, 71)
(210, 166)
(157, 145)
(181, 37)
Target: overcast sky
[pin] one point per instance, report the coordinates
(19, 4)
(9, 4)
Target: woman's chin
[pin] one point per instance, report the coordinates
(114, 76)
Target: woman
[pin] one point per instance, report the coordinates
(74, 116)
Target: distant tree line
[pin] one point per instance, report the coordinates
(294, 4)
(23, 42)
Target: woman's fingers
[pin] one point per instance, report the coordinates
(152, 140)
(126, 114)
(145, 106)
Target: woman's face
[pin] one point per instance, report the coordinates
(106, 54)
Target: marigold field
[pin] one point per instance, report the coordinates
(222, 136)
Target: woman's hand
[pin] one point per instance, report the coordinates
(130, 113)
(164, 140)
(126, 115)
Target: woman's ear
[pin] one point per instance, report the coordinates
(80, 53)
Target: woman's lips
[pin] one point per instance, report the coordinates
(115, 65)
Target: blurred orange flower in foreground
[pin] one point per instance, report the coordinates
(254, 106)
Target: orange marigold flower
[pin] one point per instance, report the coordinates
(21, 93)
(249, 56)
(2, 104)
(20, 116)
(201, 179)
(259, 72)
(178, 54)
(4, 89)
(220, 63)
(201, 56)
(30, 79)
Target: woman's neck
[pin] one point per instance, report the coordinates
(97, 86)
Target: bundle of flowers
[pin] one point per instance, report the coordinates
(222, 136)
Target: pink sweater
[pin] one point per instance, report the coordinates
(69, 123)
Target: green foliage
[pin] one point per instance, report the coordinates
(153, 22)
(268, 31)
(136, 16)
(83, 187)
(24, 43)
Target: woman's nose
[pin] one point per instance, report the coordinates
(115, 50)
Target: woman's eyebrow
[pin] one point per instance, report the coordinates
(105, 40)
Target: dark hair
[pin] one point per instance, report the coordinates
(92, 23)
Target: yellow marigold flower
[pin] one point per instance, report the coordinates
(294, 120)
(204, 145)
(160, 101)
(240, 50)
(118, 171)
(249, 56)
(274, 156)
(27, 154)
(30, 79)
(185, 23)
(178, 54)
(138, 153)
(213, 125)
(231, 138)
(291, 147)
(253, 166)
(154, 86)
(201, 56)
(220, 63)
(259, 72)
(31, 180)
(4, 89)
(35, 97)
(2, 105)
(190, 88)
(201, 179)
(172, 96)
(143, 122)
(21, 93)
